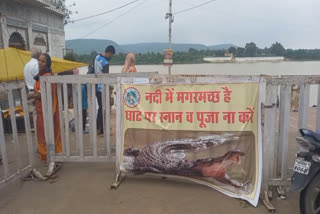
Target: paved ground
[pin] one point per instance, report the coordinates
(84, 188)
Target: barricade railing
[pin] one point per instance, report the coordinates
(277, 168)
(77, 149)
(17, 149)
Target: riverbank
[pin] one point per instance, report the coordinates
(255, 68)
(213, 60)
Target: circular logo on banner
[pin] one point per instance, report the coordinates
(131, 97)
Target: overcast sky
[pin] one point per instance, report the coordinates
(294, 23)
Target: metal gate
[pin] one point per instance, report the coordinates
(277, 169)
(277, 160)
(17, 156)
(80, 147)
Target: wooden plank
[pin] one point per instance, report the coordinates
(318, 110)
(75, 114)
(66, 118)
(3, 149)
(296, 79)
(280, 182)
(111, 78)
(6, 86)
(86, 159)
(43, 90)
(284, 129)
(118, 126)
(91, 112)
(14, 130)
(79, 124)
(103, 100)
(130, 74)
(304, 97)
(95, 79)
(28, 127)
(269, 133)
(106, 117)
(93, 120)
(155, 78)
(186, 79)
(76, 80)
(108, 121)
(51, 142)
(34, 117)
(63, 139)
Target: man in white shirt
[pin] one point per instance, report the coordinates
(31, 69)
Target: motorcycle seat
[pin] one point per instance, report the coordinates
(310, 133)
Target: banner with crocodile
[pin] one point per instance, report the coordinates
(207, 133)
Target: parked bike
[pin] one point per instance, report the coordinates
(306, 178)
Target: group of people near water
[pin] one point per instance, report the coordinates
(41, 65)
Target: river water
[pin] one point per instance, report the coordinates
(254, 68)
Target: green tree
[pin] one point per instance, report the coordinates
(241, 52)
(251, 49)
(194, 56)
(66, 9)
(70, 56)
(219, 53)
(277, 49)
(232, 50)
(265, 51)
(193, 51)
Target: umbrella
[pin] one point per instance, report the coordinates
(12, 62)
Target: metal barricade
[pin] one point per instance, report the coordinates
(13, 161)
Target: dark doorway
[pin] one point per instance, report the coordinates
(17, 41)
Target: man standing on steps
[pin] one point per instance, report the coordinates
(101, 65)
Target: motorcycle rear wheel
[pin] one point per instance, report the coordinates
(310, 197)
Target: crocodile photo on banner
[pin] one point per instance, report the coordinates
(207, 133)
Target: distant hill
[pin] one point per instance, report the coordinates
(85, 46)
(222, 46)
(159, 47)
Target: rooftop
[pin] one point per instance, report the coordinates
(51, 5)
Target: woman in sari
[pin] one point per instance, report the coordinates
(45, 70)
(130, 63)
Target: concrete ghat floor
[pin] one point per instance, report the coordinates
(85, 188)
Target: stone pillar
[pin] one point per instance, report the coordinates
(56, 37)
(50, 42)
(30, 36)
(4, 34)
(1, 36)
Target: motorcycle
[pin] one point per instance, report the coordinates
(306, 178)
